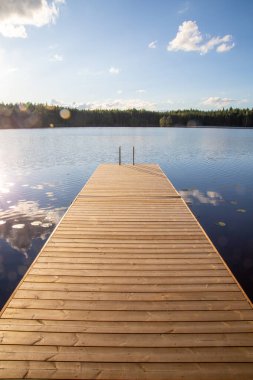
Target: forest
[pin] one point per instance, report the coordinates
(29, 115)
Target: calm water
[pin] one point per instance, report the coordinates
(41, 171)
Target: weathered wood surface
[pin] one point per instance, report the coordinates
(128, 287)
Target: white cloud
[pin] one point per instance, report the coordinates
(12, 31)
(58, 103)
(244, 101)
(16, 15)
(12, 69)
(119, 92)
(185, 8)
(114, 70)
(152, 44)
(56, 58)
(89, 72)
(140, 91)
(224, 47)
(215, 101)
(121, 104)
(53, 47)
(190, 39)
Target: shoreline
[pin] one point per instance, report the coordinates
(134, 127)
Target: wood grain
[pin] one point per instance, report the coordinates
(128, 287)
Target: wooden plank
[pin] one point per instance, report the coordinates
(64, 304)
(128, 273)
(119, 315)
(111, 327)
(136, 252)
(125, 371)
(128, 287)
(100, 242)
(117, 260)
(126, 340)
(84, 295)
(133, 267)
(136, 284)
(136, 280)
(127, 354)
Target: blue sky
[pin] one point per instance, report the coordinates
(153, 54)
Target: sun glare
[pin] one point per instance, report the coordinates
(65, 114)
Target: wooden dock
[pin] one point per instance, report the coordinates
(128, 287)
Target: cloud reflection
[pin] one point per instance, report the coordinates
(36, 222)
(196, 196)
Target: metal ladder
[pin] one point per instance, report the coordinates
(133, 155)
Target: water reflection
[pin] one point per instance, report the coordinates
(25, 221)
(209, 197)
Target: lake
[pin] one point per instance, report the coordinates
(42, 170)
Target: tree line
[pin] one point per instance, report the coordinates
(31, 115)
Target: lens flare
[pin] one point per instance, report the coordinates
(65, 114)
(22, 107)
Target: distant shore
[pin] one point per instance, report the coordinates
(30, 116)
(125, 126)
